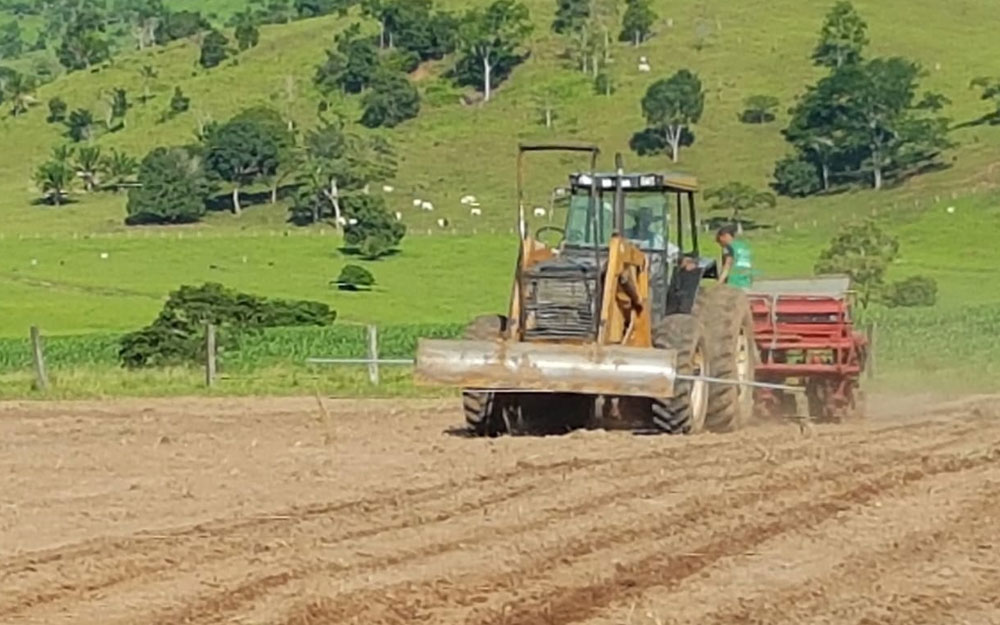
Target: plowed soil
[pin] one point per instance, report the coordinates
(280, 511)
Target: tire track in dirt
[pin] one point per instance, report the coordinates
(562, 605)
(161, 553)
(390, 502)
(567, 605)
(962, 531)
(371, 602)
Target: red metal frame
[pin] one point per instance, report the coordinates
(808, 340)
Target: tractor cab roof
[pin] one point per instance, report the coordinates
(665, 182)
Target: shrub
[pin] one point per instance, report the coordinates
(912, 292)
(177, 335)
(354, 277)
(371, 230)
(174, 189)
(796, 177)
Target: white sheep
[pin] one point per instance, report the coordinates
(539, 212)
(427, 206)
(388, 188)
(104, 255)
(417, 203)
(352, 221)
(644, 64)
(442, 223)
(468, 199)
(475, 212)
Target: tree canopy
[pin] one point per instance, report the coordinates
(173, 188)
(843, 37)
(671, 106)
(862, 251)
(489, 43)
(391, 100)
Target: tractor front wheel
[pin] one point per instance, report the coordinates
(484, 412)
(685, 412)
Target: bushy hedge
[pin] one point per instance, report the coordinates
(177, 335)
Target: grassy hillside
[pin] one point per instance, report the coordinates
(756, 46)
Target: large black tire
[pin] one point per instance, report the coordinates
(732, 355)
(484, 412)
(685, 412)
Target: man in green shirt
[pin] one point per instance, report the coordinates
(737, 268)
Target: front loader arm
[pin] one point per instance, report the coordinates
(626, 317)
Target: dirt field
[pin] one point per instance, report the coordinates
(267, 511)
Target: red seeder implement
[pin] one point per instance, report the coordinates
(805, 337)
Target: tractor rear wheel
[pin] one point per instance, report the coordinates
(732, 355)
(484, 412)
(684, 413)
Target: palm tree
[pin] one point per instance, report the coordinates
(120, 168)
(19, 89)
(88, 166)
(148, 74)
(80, 122)
(53, 179)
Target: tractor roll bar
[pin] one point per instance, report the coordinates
(594, 152)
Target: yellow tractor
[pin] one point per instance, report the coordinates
(614, 324)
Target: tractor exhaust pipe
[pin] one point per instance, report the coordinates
(541, 367)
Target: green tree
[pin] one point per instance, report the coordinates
(759, 109)
(54, 178)
(843, 37)
(245, 149)
(19, 90)
(246, 33)
(179, 103)
(213, 50)
(371, 229)
(172, 188)
(120, 168)
(11, 44)
(350, 65)
(148, 74)
(489, 41)
(117, 107)
(737, 198)
(794, 176)
(879, 109)
(637, 24)
(671, 106)
(279, 131)
(84, 43)
(391, 100)
(80, 125)
(180, 25)
(413, 26)
(316, 8)
(88, 166)
(863, 251)
(57, 111)
(571, 15)
(339, 164)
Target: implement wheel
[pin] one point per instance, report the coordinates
(684, 413)
(484, 412)
(732, 355)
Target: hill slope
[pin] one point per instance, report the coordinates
(756, 46)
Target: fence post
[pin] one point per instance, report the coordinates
(210, 355)
(872, 332)
(41, 376)
(373, 354)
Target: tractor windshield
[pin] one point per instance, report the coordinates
(646, 219)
